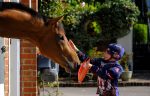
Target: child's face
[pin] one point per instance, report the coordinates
(106, 55)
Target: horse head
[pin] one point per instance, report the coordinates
(54, 44)
(21, 22)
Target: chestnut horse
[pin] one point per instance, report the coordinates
(20, 22)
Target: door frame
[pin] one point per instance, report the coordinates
(14, 67)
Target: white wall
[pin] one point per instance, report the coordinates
(127, 43)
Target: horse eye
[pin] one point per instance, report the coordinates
(60, 37)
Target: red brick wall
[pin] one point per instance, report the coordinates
(6, 67)
(28, 80)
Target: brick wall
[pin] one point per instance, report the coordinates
(28, 70)
(28, 80)
(6, 67)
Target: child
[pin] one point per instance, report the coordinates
(107, 68)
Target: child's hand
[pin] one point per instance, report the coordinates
(73, 45)
(89, 65)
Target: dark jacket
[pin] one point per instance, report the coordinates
(104, 69)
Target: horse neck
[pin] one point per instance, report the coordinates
(19, 24)
(26, 27)
(20, 30)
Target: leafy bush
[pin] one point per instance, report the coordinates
(87, 23)
(51, 8)
(116, 17)
(79, 27)
(94, 53)
(140, 33)
(148, 14)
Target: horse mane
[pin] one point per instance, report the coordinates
(21, 7)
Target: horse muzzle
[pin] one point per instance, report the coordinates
(71, 66)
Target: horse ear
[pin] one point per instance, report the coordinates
(58, 19)
(55, 20)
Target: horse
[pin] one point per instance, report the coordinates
(21, 22)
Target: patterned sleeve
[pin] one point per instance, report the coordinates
(114, 72)
(111, 73)
(96, 62)
(82, 56)
(97, 70)
(93, 61)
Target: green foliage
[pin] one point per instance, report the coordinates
(51, 8)
(116, 17)
(92, 27)
(148, 14)
(125, 62)
(96, 27)
(94, 53)
(77, 28)
(140, 33)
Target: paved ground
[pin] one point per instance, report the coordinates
(134, 91)
(139, 85)
(90, 91)
(138, 79)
